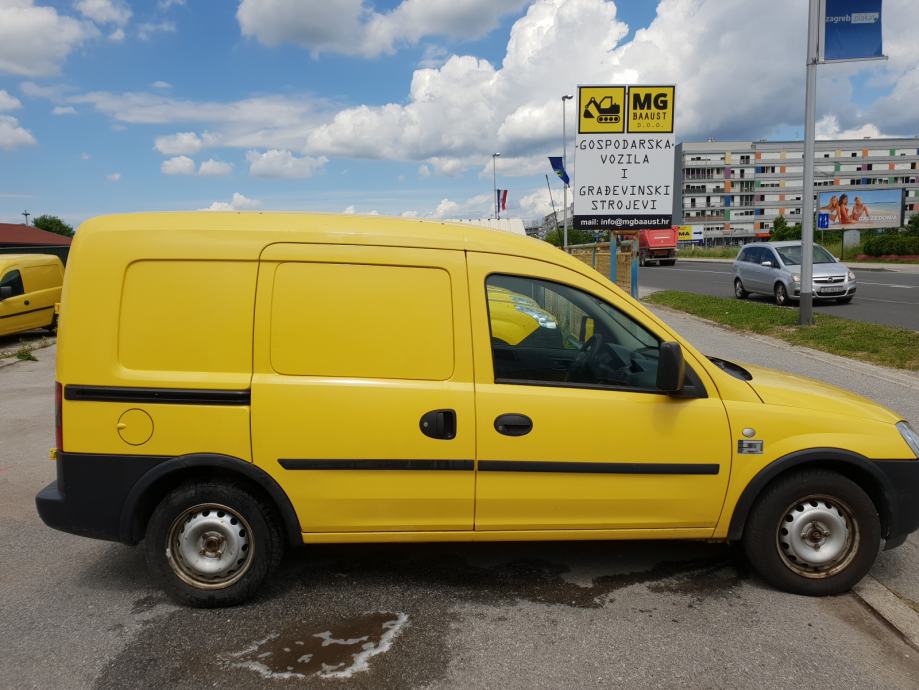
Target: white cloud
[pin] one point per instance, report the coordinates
(352, 27)
(85, 156)
(179, 165)
(105, 11)
(8, 102)
(166, 4)
(828, 128)
(117, 36)
(114, 177)
(478, 206)
(183, 142)
(64, 110)
(214, 168)
(409, 214)
(161, 85)
(12, 135)
(424, 171)
(282, 163)
(146, 30)
(349, 210)
(238, 203)
(34, 41)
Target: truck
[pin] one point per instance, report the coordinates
(657, 245)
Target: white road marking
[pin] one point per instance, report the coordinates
(905, 287)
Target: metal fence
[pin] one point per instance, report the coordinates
(598, 256)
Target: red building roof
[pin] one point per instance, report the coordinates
(12, 235)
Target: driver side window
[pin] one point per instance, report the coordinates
(546, 333)
(14, 280)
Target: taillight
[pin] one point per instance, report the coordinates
(59, 416)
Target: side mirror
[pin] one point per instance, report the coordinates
(6, 291)
(767, 263)
(671, 369)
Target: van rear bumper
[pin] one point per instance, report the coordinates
(90, 492)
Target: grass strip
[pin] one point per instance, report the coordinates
(868, 342)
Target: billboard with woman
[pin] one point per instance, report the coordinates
(862, 208)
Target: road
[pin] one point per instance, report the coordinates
(79, 613)
(885, 297)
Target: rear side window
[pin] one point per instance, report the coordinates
(363, 321)
(187, 316)
(13, 279)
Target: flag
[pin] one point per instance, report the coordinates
(559, 168)
(502, 199)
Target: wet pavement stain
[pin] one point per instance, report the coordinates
(337, 650)
(323, 593)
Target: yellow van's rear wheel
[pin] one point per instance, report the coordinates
(813, 532)
(212, 543)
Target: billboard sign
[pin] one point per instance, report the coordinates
(689, 233)
(624, 158)
(851, 30)
(862, 209)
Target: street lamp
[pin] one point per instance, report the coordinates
(494, 183)
(566, 97)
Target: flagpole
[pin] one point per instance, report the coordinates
(552, 201)
(494, 183)
(564, 167)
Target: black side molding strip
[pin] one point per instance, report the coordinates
(297, 464)
(171, 396)
(597, 467)
(23, 313)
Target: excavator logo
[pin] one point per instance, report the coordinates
(602, 110)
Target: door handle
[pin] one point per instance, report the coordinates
(439, 424)
(513, 424)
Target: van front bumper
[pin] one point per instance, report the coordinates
(90, 491)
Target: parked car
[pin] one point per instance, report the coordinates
(774, 268)
(232, 384)
(30, 286)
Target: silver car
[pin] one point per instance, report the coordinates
(774, 268)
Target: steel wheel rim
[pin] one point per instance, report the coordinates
(210, 546)
(738, 288)
(780, 294)
(817, 537)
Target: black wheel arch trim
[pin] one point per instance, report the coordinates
(826, 458)
(129, 526)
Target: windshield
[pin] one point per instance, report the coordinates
(791, 256)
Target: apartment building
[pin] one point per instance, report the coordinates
(736, 189)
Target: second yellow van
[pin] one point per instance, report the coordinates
(229, 385)
(30, 286)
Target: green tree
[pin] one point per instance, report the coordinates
(575, 236)
(53, 224)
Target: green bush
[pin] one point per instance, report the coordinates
(893, 243)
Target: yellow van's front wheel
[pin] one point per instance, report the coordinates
(212, 543)
(813, 532)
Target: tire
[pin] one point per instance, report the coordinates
(844, 300)
(238, 530)
(781, 295)
(669, 262)
(739, 291)
(641, 260)
(802, 504)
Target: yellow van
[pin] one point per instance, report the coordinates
(30, 285)
(232, 384)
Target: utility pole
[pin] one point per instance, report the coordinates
(494, 183)
(26, 214)
(806, 310)
(565, 167)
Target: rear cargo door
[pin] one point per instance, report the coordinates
(362, 393)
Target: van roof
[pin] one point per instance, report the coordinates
(26, 259)
(332, 228)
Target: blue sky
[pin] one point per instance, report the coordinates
(391, 107)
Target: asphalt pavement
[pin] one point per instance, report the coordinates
(79, 613)
(885, 295)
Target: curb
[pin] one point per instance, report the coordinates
(897, 613)
(10, 361)
(898, 376)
